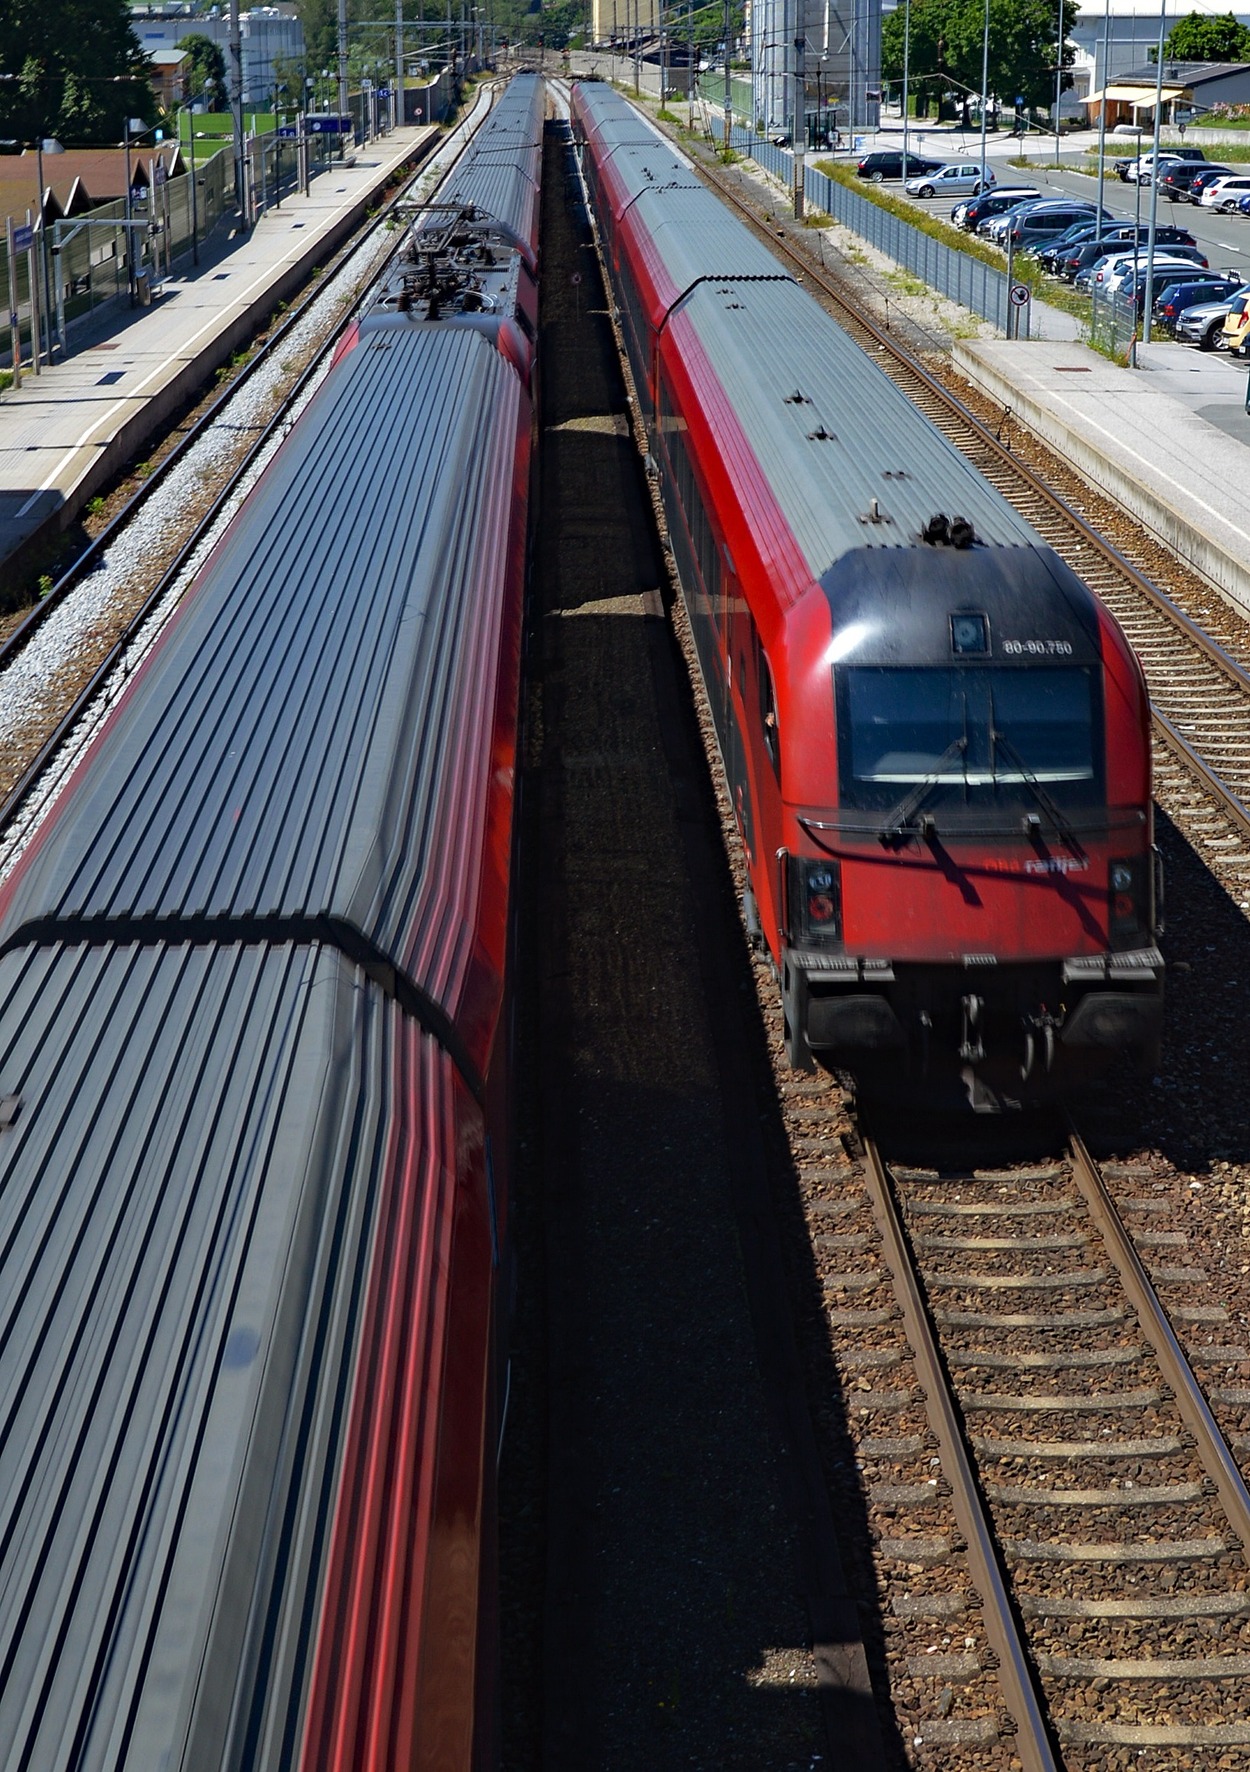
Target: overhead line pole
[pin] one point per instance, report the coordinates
(1154, 181)
(399, 63)
(235, 46)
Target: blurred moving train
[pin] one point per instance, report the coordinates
(254, 1069)
(936, 739)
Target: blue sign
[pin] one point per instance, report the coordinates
(384, 92)
(329, 125)
(23, 239)
(289, 132)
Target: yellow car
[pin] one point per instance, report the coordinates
(1233, 338)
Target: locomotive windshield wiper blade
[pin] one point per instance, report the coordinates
(899, 822)
(999, 741)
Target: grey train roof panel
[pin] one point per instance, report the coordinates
(182, 1243)
(312, 737)
(861, 438)
(501, 169)
(767, 341)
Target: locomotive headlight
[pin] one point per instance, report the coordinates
(1128, 892)
(816, 897)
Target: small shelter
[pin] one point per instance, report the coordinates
(1189, 90)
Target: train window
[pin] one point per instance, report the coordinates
(768, 706)
(970, 634)
(985, 736)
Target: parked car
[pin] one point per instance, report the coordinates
(1236, 325)
(970, 212)
(1175, 180)
(1224, 194)
(1141, 169)
(958, 175)
(1174, 299)
(1088, 252)
(1206, 177)
(1038, 226)
(1137, 288)
(1204, 325)
(1049, 255)
(1119, 270)
(888, 163)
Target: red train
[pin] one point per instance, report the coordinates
(254, 1058)
(936, 738)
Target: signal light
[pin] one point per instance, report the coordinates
(816, 898)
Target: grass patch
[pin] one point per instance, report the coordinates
(1025, 270)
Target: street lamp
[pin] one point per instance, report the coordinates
(45, 145)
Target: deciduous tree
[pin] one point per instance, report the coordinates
(1199, 38)
(74, 69)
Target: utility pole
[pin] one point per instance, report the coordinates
(235, 46)
(399, 63)
(342, 48)
(729, 110)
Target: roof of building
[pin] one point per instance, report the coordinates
(77, 180)
(1183, 74)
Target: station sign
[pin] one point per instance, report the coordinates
(23, 239)
(328, 125)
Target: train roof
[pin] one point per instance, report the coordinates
(833, 436)
(848, 458)
(500, 170)
(310, 739)
(185, 1241)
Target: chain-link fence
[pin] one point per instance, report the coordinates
(964, 279)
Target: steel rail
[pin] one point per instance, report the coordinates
(1032, 1745)
(1210, 1444)
(99, 544)
(1233, 808)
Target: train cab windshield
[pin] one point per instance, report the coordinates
(983, 738)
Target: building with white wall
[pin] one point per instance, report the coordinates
(268, 35)
(832, 46)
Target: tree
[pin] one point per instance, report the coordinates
(80, 70)
(947, 44)
(1196, 38)
(206, 71)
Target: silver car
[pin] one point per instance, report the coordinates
(951, 181)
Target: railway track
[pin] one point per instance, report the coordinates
(1103, 1514)
(1050, 1469)
(1199, 691)
(85, 635)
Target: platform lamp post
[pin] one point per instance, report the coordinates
(985, 85)
(49, 145)
(1058, 80)
(906, 79)
(1154, 181)
(1102, 109)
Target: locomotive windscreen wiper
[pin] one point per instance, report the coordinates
(1000, 741)
(899, 823)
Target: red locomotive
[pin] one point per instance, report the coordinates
(936, 738)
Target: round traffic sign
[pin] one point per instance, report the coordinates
(1020, 295)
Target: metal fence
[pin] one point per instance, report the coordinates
(1113, 324)
(83, 261)
(964, 279)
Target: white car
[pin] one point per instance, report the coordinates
(1225, 193)
(1118, 270)
(953, 180)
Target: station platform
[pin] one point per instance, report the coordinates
(66, 432)
(1169, 439)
